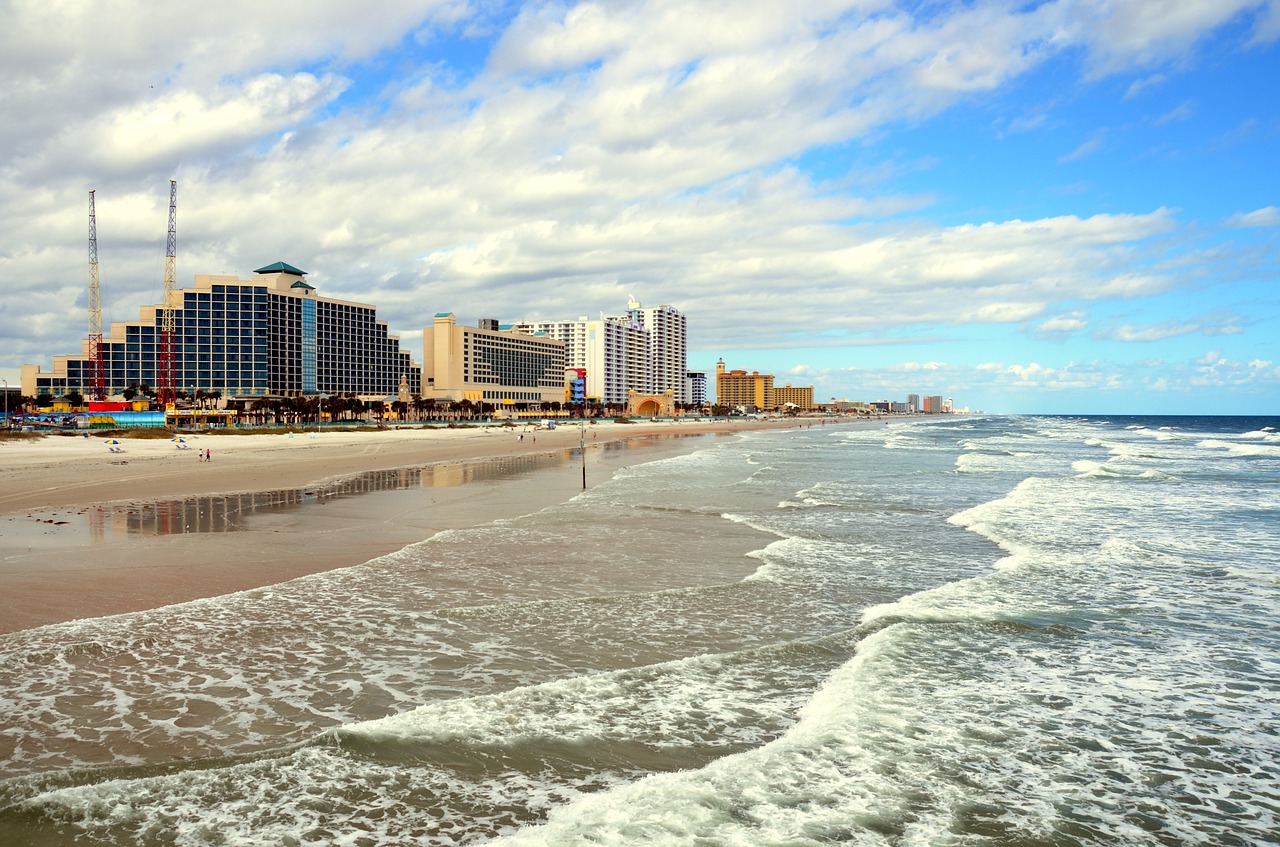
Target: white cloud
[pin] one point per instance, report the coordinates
(601, 149)
(1062, 324)
(1086, 148)
(1151, 332)
(1218, 323)
(1268, 25)
(1182, 112)
(1122, 34)
(1215, 370)
(1267, 216)
(1140, 85)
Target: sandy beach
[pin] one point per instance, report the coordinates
(90, 529)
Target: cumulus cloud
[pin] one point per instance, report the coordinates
(593, 150)
(1063, 324)
(1121, 34)
(1101, 383)
(1215, 370)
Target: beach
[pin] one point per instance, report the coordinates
(89, 528)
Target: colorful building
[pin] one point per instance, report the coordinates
(575, 385)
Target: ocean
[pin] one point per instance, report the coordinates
(942, 631)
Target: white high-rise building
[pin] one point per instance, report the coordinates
(643, 350)
(696, 385)
(668, 351)
(613, 351)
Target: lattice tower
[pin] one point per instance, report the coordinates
(97, 387)
(168, 340)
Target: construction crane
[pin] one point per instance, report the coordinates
(167, 334)
(97, 387)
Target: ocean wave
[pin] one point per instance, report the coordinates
(490, 763)
(1238, 449)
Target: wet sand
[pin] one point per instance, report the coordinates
(86, 532)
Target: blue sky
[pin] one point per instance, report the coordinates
(1061, 207)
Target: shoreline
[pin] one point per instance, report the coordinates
(66, 471)
(87, 533)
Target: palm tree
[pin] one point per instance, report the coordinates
(259, 407)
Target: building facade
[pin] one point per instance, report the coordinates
(800, 396)
(644, 351)
(667, 348)
(613, 352)
(751, 391)
(267, 335)
(696, 388)
(575, 385)
(503, 367)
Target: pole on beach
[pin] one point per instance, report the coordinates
(582, 448)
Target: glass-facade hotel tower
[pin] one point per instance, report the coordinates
(268, 335)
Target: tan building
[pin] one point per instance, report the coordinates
(502, 367)
(801, 396)
(749, 390)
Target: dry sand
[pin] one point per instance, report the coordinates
(86, 532)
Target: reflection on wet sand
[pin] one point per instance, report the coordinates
(229, 512)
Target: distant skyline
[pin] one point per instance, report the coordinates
(1055, 207)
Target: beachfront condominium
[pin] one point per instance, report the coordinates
(696, 388)
(614, 353)
(799, 396)
(739, 389)
(668, 350)
(643, 351)
(271, 334)
(493, 364)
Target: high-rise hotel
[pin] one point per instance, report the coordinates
(668, 348)
(267, 335)
(644, 351)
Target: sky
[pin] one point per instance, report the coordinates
(1065, 207)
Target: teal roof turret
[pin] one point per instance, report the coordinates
(280, 268)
